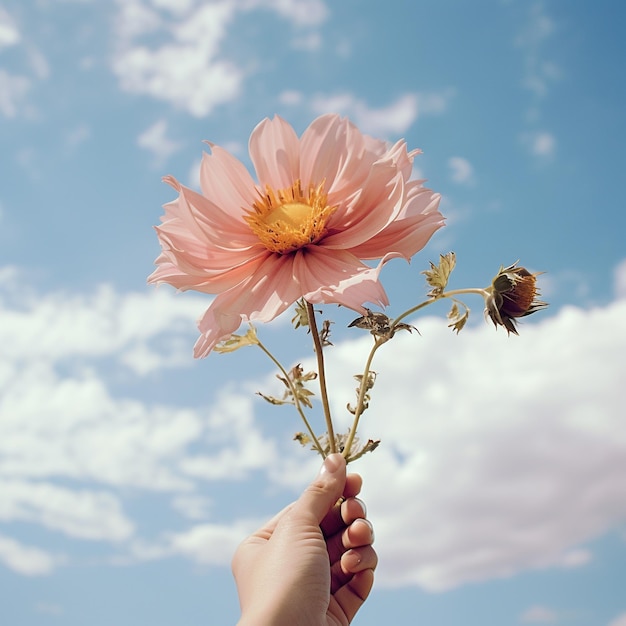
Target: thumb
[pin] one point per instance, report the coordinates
(319, 497)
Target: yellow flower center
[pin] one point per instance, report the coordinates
(289, 219)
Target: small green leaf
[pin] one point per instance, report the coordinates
(301, 318)
(234, 342)
(458, 317)
(438, 275)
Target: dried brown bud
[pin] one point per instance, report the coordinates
(513, 294)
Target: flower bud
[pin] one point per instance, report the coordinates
(513, 294)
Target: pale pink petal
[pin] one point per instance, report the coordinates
(338, 277)
(177, 271)
(264, 295)
(204, 220)
(406, 236)
(378, 204)
(226, 182)
(403, 159)
(275, 152)
(335, 152)
(194, 240)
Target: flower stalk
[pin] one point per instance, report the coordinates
(321, 372)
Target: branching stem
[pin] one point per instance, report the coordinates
(296, 400)
(379, 341)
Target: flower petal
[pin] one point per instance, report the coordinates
(338, 277)
(275, 152)
(264, 295)
(379, 203)
(333, 150)
(192, 215)
(408, 235)
(194, 239)
(226, 182)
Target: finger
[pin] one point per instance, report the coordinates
(352, 562)
(359, 533)
(358, 559)
(322, 494)
(342, 514)
(354, 482)
(351, 596)
(339, 516)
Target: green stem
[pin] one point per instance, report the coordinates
(359, 403)
(446, 294)
(321, 373)
(297, 404)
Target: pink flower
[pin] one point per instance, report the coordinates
(324, 203)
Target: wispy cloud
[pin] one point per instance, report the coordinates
(13, 91)
(395, 118)
(155, 140)
(619, 621)
(26, 560)
(9, 32)
(539, 615)
(461, 170)
(539, 73)
(190, 69)
(541, 144)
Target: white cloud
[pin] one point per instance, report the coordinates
(461, 170)
(44, 607)
(538, 73)
(102, 323)
(13, 90)
(77, 513)
(192, 506)
(539, 615)
(619, 280)
(155, 140)
(211, 544)
(189, 69)
(619, 620)
(395, 118)
(291, 97)
(299, 12)
(26, 560)
(309, 42)
(541, 144)
(135, 19)
(77, 136)
(9, 33)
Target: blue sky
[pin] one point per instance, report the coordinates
(129, 471)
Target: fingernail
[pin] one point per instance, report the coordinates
(332, 463)
(362, 506)
(369, 524)
(352, 559)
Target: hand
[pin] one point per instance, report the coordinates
(313, 563)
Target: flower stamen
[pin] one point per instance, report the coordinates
(289, 219)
